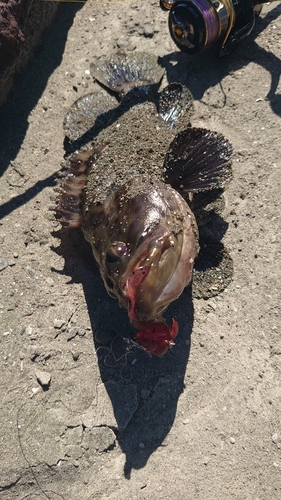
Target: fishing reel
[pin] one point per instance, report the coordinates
(197, 24)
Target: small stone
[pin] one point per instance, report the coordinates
(15, 255)
(3, 264)
(44, 378)
(71, 334)
(121, 44)
(141, 446)
(206, 460)
(274, 437)
(75, 355)
(148, 31)
(58, 323)
(144, 394)
(232, 440)
(28, 330)
(186, 421)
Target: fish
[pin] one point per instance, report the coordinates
(136, 169)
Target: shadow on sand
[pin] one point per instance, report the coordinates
(27, 91)
(157, 382)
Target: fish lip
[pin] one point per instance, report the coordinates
(145, 256)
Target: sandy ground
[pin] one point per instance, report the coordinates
(203, 422)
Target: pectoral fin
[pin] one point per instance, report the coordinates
(198, 160)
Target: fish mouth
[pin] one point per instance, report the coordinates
(142, 278)
(154, 336)
(156, 275)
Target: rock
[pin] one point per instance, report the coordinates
(232, 440)
(3, 264)
(75, 355)
(21, 25)
(44, 378)
(144, 394)
(121, 44)
(148, 31)
(58, 323)
(274, 437)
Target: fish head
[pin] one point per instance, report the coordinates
(147, 242)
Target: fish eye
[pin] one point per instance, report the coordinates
(115, 252)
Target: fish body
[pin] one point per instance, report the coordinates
(131, 193)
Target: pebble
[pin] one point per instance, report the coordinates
(44, 378)
(186, 421)
(58, 323)
(148, 31)
(121, 44)
(232, 440)
(75, 355)
(28, 330)
(144, 394)
(206, 460)
(274, 437)
(3, 264)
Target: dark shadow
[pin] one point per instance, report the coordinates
(157, 382)
(30, 85)
(30, 193)
(201, 72)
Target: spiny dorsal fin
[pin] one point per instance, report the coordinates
(198, 160)
(176, 106)
(121, 72)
